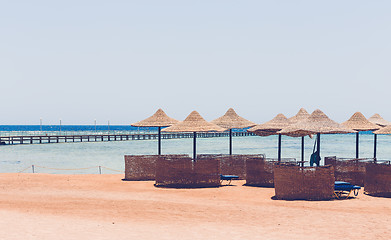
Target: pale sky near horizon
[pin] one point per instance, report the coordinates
(122, 60)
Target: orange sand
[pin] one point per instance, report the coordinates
(44, 206)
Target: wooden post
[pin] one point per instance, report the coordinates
(279, 147)
(302, 151)
(194, 146)
(159, 141)
(357, 144)
(230, 141)
(374, 146)
(318, 144)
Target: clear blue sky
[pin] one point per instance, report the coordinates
(122, 60)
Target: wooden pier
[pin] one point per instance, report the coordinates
(40, 139)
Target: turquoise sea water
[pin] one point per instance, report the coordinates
(15, 158)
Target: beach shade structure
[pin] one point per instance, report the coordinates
(271, 128)
(300, 116)
(159, 120)
(232, 120)
(194, 123)
(377, 119)
(359, 123)
(382, 131)
(385, 130)
(317, 123)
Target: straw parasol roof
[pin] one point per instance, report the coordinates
(385, 130)
(159, 119)
(359, 123)
(271, 127)
(300, 116)
(317, 122)
(377, 119)
(232, 120)
(194, 123)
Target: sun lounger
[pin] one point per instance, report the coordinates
(228, 178)
(344, 188)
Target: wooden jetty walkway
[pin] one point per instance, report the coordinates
(40, 139)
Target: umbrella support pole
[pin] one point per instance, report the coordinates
(194, 146)
(279, 147)
(357, 144)
(374, 146)
(230, 141)
(159, 149)
(318, 144)
(302, 151)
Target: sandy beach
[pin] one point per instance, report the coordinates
(49, 206)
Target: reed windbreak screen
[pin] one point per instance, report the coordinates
(259, 172)
(378, 180)
(292, 182)
(141, 167)
(183, 172)
(231, 164)
(348, 170)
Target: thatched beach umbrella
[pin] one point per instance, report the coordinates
(300, 116)
(194, 123)
(271, 128)
(159, 120)
(377, 119)
(383, 131)
(359, 123)
(232, 120)
(317, 123)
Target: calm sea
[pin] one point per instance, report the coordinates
(85, 157)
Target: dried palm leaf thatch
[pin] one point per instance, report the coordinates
(377, 119)
(385, 130)
(232, 120)
(271, 127)
(359, 123)
(300, 116)
(317, 122)
(159, 119)
(194, 123)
